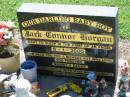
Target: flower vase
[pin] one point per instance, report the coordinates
(10, 64)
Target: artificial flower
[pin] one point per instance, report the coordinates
(1, 38)
(6, 32)
(8, 36)
(10, 24)
(1, 34)
(3, 24)
(1, 41)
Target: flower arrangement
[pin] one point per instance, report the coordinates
(8, 33)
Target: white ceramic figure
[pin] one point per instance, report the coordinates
(65, 96)
(23, 87)
(128, 94)
(124, 67)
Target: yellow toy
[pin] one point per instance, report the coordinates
(63, 88)
(74, 87)
(54, 92)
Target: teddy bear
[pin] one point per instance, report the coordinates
(23, 88)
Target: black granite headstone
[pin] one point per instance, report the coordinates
(70, 40)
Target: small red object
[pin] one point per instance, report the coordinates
(3, 25)
(1, 34)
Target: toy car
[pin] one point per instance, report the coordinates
(74, 87)
(54, 92)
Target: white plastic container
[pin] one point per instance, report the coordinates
(29, 70)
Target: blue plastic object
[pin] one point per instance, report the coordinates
(91, 76)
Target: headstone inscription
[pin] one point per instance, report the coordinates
(70, 40)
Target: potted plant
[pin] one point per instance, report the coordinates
(9, 48)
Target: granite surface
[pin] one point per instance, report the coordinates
(49, 82)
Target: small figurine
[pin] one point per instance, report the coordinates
(102, 84)
(123, 86)
(22, 88)
(35, 88)
(124, 80)
(91, 86)
(124, 67)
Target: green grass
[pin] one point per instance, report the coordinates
(8, 10)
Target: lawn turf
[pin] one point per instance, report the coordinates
(8, 10)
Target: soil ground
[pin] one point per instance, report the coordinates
(124, 49)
